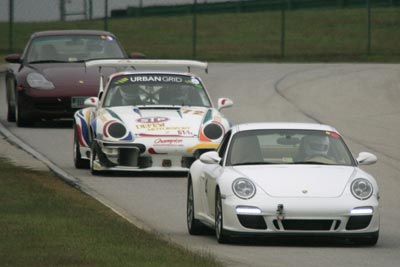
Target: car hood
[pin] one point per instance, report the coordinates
(72, 79)
(161, 121)
(299, 180)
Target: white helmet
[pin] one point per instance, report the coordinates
(129, 93)
(316, 145)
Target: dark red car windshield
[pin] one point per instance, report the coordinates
(72, 48)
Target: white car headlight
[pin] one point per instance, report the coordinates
(38, 81)
(361, 188)
(244, 188)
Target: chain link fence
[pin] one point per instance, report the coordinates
(218, 29)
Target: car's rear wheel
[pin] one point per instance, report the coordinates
(195, 227)
(78, 161)
(220, 233)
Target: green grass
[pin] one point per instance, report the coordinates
(45, 222)
(311, 35)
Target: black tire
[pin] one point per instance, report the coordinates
(195, 227)
(370, 240)
(21, 119)
(220, 233)
(78, 161)
(10, 113)
(10, 92)
(93, 157)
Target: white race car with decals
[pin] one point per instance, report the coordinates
(147, 120)
(280, 179)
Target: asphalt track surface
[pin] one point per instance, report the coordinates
(362, 101)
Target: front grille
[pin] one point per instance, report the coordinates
(358, 222)
(52, 104)
(252, 221)
(307, 225)
(128, 157)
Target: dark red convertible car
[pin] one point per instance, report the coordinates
(49, 80)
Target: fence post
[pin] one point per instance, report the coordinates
(90, 9)
(11, 27)
(283, 28)
(194, 30)
(106, 15)
(368, 27)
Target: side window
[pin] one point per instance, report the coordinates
(224, 145)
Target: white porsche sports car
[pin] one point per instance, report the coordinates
(147, 120)
(283, 179)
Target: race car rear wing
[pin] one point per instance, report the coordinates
(146, 63)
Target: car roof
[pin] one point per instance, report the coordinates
(70, 32)
(282, 125)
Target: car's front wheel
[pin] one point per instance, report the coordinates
(93, 157)
(78, 161)
(10, 92)
(21, 115)
(10, 113)
(195, 227)
(220, 233)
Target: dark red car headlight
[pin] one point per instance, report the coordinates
(38, 81)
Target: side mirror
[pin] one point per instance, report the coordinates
(13, 58)
(91, 102)
(137, 55)
(365, 158)
(210, 157)
(224, 103)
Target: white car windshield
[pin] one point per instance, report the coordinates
(288, 147)
(73, 48)
(156, 89)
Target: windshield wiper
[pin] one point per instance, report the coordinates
(253, 163)
(49, 61)
(312, 162)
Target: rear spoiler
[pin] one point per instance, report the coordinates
(146, 63)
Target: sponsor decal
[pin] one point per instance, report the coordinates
(168, 142)
(193, 112)
(151, 126)
(152, 119)
(122, 80)
(168, 79)
(173, 130)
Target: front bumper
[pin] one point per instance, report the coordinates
(302, 216)
(46, 107)
(141, 157)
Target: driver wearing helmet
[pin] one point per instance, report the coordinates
(315, 148)
(130, 95)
